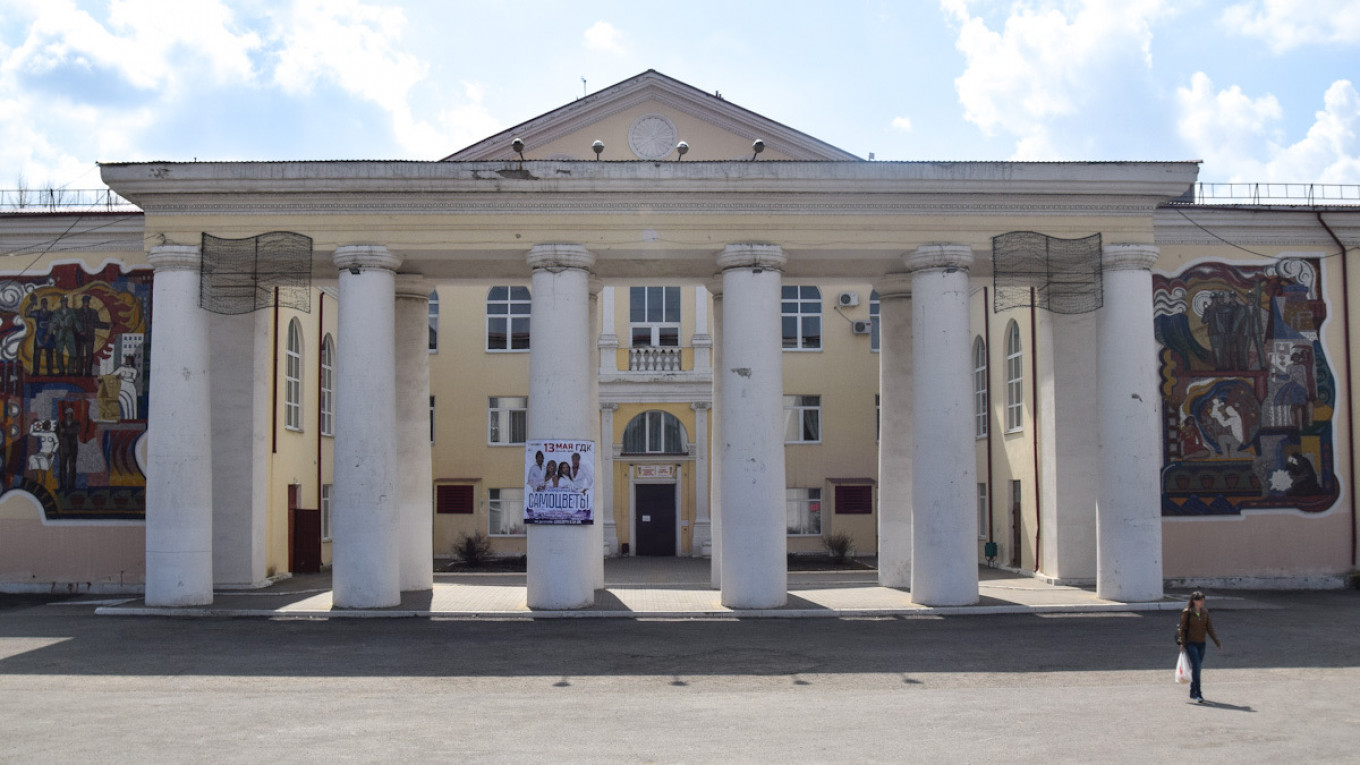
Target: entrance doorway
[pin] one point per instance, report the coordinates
(654, 518)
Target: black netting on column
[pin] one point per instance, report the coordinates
(243, 275)
(1030, 269)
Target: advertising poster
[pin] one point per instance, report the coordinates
(559, 482)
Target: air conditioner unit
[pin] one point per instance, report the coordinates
(846, 299)
(861, 327)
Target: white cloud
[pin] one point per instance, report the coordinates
(1288, 24)
(466, 124)
(902, 123)
(1240, 139)
(604, 37)
(1049, 66)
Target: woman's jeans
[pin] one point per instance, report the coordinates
(1195, 652)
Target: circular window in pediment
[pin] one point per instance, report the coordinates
(652, 136)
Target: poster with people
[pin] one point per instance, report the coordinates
(559, 482)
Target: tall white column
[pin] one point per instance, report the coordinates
(597, 528)
(561, 558)
(701, 537)
(416, 476)
(179, 570)
(944, 557)
(604, 480)
(1129, 517)
(365, 515)
(242, 354)
(894, 431)
(702, 342)
(715, 460)
(609, 341)
(754, 544)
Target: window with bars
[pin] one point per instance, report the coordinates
(800, 314)
(453, 499)
(875, 306)
(507, 319)
(854, 499)
(507, 420)
(292, 378)
(326, 511)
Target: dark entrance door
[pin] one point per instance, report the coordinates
(654, 514)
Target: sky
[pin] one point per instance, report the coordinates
(1259, 90)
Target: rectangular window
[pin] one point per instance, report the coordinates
(802, 419)
(800, 313)
(505, 511)
(453, 499)
(507, 319)
(654, 315)
(507, 420)
(982, 510)
(434, 321)
(326, 512)
(854, 500)
(804, 510)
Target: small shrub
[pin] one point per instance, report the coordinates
(473, 550)
(839, 546)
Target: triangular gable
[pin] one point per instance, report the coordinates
(643, 116)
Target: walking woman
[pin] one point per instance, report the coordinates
(1195, 626)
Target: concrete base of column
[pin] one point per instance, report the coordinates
(560, 575)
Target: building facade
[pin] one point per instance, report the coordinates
(1067, 368)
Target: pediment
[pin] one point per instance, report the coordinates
(642, 118)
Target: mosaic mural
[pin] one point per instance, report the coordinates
(1247, 393)
(73, 361)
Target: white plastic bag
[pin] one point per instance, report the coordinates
(1183, 668)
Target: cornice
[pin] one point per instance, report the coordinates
(1248, 226)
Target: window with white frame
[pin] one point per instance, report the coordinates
(507, 420)
(979, 388)
(505, 512)
(326, 412)
(654, 432)
(875, 307)
(326, 511)
(507, 319)
(1015, 379)
(803, 508)
(654, 316)
(800, 312)
(802, 419)
(292, 377)
(982, 510)
(434, 321)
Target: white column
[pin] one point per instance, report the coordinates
(415, 472)
(609, 341)
(1129, 517)
(715, 459)
(754, 545)
(894, 431)
(179, 569)
(364, 515)
(561, 558)
(604, 480)
(702, 342)
(944, 559)
(242, 352)
(701, 537)
(596, 353)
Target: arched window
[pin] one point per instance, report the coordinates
(654, 432)
(327, 413)
(1015, 379)
(507, 319)
(292, 378)
(434, 321)
(980, 387)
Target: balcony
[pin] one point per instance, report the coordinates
(648, 364)
(648, 359)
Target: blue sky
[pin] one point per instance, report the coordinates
(1261, 90)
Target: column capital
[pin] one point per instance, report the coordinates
(365, 257)
(413, 286)
(714, 285)
(701, 406)
(609, 407)
(1129, 257)
(596, 286)
(753, 256)
(949, 257)
(893, 286)
(560, 256)
(174, 257)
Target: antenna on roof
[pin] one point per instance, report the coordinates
(583, 87)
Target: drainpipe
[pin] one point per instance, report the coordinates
(274, 385)
(1350, 396)
(987, 385)
(1034, 406)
